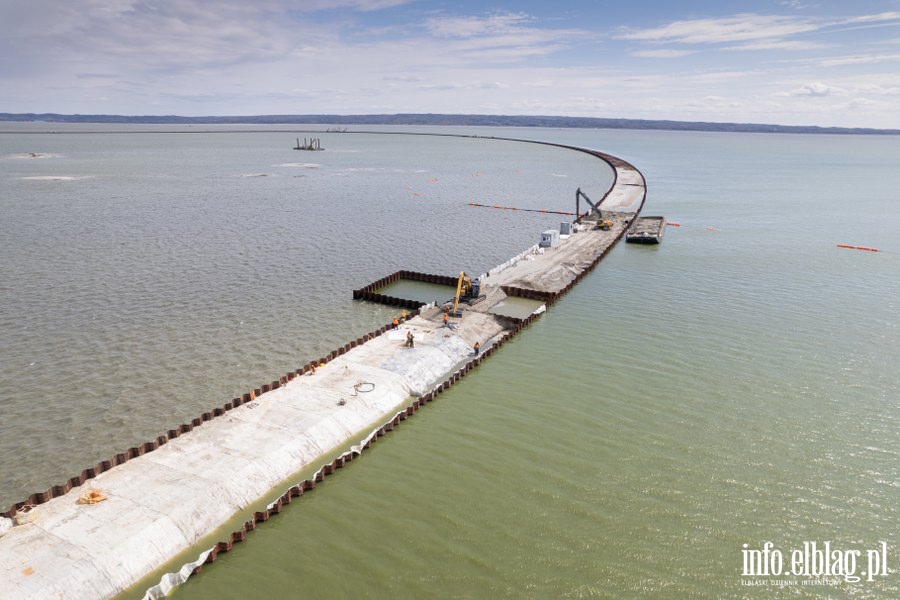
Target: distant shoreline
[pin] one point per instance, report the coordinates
(445, 120)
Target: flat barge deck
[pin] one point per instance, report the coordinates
(170, 495)
(646, 230)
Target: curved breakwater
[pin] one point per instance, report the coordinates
(510, 330)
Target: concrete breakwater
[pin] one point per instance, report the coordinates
(165, 495)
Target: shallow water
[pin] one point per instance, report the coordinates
(419, 291)
(735, 385)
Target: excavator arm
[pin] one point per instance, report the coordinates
(601, 222)
(463, 288)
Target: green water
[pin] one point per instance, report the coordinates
(736, 385)
(518, 308)
(599, 474)
(420, 291)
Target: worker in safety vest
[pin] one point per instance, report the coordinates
(410, 339)
(395, 323)
(446, 321)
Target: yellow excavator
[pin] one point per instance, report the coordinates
(465, 289)
(604, 224)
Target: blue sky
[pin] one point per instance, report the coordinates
(789, 62)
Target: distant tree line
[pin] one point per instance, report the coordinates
(441, 119)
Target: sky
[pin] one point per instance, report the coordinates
(786, 62)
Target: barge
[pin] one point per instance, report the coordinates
(646, 230)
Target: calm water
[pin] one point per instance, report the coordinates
(736, 385)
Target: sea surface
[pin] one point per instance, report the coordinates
(681, 407)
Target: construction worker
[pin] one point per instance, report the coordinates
(477, 348)
(446, 321)
(410, 339)
(403, 315)
(395, 323)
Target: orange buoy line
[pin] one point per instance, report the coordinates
(857, 247)
(673, 223)
(552, 212)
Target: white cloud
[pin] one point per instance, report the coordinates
(720, 30)
(879, 90)
(472, 26)
(746, 27)
(777, 45)
(498, 37)
(863, 59)
(795, 4)
(719, 77)
(885, 16)
(817, 89)
(661, 53)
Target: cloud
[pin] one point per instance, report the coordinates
(885, 16)
(817, 89)
(719, 77)
(167, 37)
(661, 53)
(862, 59)
(472, 26)
(497, 37)
(770, 30)
(720, 30)
(795, 4)
(777, 45)
(880, 90)
(708, 103)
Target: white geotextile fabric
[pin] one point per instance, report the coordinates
(512, 261)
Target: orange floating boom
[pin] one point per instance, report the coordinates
(552, 212)
(867, 248)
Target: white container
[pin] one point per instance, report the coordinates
(549, 238)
